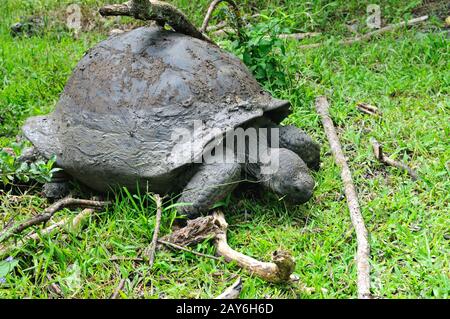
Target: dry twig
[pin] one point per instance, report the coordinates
(73, 224)
(363, 247)
(299, 36)
(368, 109)
(369, 35)
(122, 258)
(217, 27)
(378, 151)
(225, 31)
(54, 287)
(151, 250)
(50, 211)
(118, 289)
(211, 9)
(232, 292)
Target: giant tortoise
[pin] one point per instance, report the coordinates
(121, 118)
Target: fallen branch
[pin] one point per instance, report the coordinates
(50, 211)
(363, 247)
(154, 10)
(232, 292)
(378, 151)
(118, 289)
(369, 35)
(211, 9)
(151, 250)
(72, 224)
(215, 227)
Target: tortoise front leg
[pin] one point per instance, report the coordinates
(58, 187)
(210, 184)
(296, 140)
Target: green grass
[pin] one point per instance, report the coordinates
(406, 74)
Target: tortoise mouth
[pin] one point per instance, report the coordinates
(41, 131)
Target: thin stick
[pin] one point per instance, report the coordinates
(369, 35)
(223, 31)
(175, 246)
(363, 247)
(73, 224)
(378, 151)
(78, 220)
(54, 288)
(233, 291)
(299, 36)
(152, 248)
(368, 109)
(211, 9)
(122, 258)
(217, 27)
(223, 24)
(118, 289)
(50, 211)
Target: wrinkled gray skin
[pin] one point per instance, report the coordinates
(115, 121)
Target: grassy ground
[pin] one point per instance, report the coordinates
(405, 73)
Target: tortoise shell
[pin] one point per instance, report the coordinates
(117, 120)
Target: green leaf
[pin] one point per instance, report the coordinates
(7, 266)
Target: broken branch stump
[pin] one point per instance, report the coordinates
(378, 151)
(215, 227)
